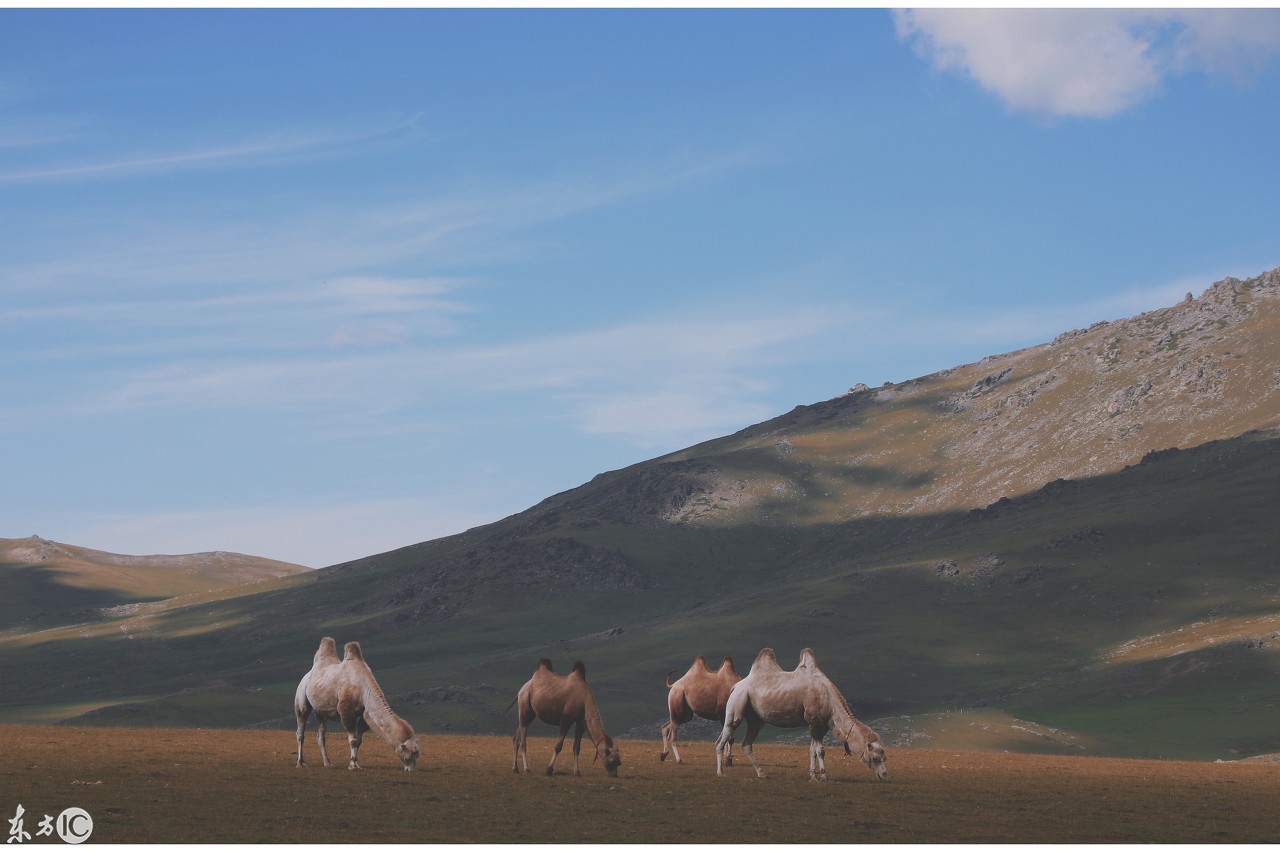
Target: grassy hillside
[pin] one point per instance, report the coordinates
(46, 582)
(1076, 542)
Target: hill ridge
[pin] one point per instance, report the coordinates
(1088, 402)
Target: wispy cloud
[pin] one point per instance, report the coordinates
(1091, 63)
(269, 148)
(595, 374)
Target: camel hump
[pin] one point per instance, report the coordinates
(700, 660)
(766, 658)
(807, 659)
(727, 665)
(545, 663)
(579, 669)
(328, 650)
(351, 651)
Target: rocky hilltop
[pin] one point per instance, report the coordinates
(1087, 403)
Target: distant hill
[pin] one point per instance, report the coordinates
(1073, 545)
(46, 582)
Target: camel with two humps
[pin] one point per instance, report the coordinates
(699, 692)
(564, 701)
(346, 690)
(797, 699)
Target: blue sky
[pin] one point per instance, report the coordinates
(316, 284)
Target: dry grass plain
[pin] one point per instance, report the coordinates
(236, 786)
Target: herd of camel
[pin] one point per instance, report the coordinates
(346, 690)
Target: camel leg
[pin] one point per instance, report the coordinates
(577, 747)
(522, 732)
(669, 730)
(353, 740)
(728, 751)
(726, 736)
(324, 751)
(817, 761)
(817, 754)
(555, 752)
(753, 728)
(355, 735)
(303, 713)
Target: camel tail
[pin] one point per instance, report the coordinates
(669, 674)
(507, 709)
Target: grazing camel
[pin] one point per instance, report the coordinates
(802, 698)
(346, 690)
(700, 692)
(563, 701)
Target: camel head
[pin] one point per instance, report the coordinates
(612, 757)
(407, 751)
(874, 757)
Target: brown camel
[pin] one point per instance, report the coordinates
(701, 692)
(804, 698)
(563, 701)
(348, 691)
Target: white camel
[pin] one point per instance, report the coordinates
(346, 690)
(802, 698)
(562, 700)
(699, 692)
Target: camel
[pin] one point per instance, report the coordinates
(346, 690)
(702, 692)
(802, 698)
(562, 700)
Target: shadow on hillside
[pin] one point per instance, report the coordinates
(35, 598)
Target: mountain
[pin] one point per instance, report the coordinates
(1071, 547)
(46, 582)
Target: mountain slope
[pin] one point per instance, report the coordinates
(47, 582)
(1080, 534)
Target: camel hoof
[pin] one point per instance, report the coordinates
(550, 772)
(662, 758)
(728, 761)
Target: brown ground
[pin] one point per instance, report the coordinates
(202, 785)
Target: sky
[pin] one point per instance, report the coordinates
(314, 284)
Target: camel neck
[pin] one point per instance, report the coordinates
(380, 716)
(595, 725)
(843, 721)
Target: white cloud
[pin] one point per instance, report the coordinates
(1091, 63)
